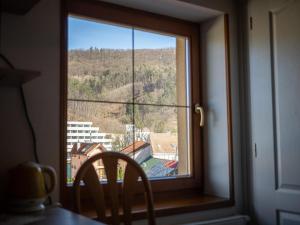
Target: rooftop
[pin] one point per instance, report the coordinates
(85, 148)
(134, 147)
(155, 167)
(163, 142)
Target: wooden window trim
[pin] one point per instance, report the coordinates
(123, 15)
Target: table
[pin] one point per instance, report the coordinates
(50, 216)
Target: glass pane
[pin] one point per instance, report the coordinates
(158, 148)
(160, 70)
(120, 110)
(99, 62)
(96, 127)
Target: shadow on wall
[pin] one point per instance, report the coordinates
(16, 141)
(32, 41)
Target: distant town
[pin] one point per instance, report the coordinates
(157, 153)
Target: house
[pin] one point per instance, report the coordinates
(143, 154)
(81, 152)
(139, 134)
(139, 151)
(164, 146)
(157, 167)
(234, 66)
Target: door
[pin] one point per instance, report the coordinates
(274, 75)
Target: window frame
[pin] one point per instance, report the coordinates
(122, 15)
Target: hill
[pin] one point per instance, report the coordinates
(107, 75)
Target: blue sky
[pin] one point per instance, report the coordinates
(84, 34)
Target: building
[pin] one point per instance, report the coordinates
(81, 152)
(164, 146)
(84, 132)
(139, 134)
(142, 153)
(139, 151)
(155, 167)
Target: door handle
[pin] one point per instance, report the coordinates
(199, 110)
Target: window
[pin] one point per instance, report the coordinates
(133, 115)
(137, 91)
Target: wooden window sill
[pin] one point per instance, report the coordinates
(169, 203)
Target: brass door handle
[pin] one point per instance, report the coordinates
(199, 109)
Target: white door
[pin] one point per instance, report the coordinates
(274, 75)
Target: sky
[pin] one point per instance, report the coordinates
(84, 34)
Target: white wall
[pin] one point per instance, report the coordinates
(215, 138)
(227, 7)
(32, 41)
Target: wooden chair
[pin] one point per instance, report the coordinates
(133, 172)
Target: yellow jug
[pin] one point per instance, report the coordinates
(27, 189)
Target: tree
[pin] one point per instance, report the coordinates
(159, 127)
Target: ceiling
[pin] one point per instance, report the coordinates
(172, 8)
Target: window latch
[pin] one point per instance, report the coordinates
(199, 110)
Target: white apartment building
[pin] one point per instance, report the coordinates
(139, 134)
(84, 132)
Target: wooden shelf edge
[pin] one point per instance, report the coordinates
(18, 7)
(16, 77)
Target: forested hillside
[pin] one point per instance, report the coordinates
(107, 75)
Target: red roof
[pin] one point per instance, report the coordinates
(85, 148)
(171, 164)
(134, 147)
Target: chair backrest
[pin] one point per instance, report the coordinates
(133, 172)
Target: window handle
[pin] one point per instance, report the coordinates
(199, 109)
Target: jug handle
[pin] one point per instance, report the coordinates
(52, 175)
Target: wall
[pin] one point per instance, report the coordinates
(228, 7)
(215, 138)
(32, 41)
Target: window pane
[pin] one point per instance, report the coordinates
(99, 127)
(160, 70)
(143, 113)
(162, 140)
(99, 63)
